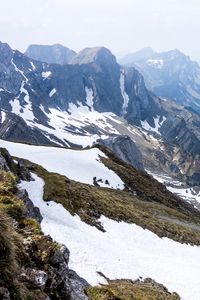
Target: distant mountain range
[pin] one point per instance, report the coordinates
(171, 75)
(91, 100)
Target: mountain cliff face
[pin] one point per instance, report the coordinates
(171, 75)
(55, 54)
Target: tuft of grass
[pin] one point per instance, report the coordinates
(8, 265)
(131, 290)
(31, 225)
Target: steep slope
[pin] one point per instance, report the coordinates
(135, 219)
(32, 265)
(171, 75)
(55, 54)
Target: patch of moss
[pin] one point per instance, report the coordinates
(7, 183)
(131, 290)
(31, 225)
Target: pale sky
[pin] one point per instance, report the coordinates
(123, 26)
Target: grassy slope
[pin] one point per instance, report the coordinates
(153, 208)
(15, 258)
(131, 290)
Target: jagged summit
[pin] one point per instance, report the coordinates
(56, 53)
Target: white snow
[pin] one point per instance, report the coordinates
(123, 251)
(156, 63)
(176, 187)
(3, 116)
(18, 70)
(123, 93)
(53, 91)
(24, 111)
(33, 66)
(89, 97)
(46, 74)
(79, 165)
(157, 123)
(78, 116)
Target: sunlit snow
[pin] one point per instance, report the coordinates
(79, 165)
(123, 251)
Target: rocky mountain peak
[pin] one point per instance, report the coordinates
(94, 54)
(6, 53)
(55, 54)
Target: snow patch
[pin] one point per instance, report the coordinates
(33, 66)
(52, 92)
(79, 165)
(123, 251)
(89, 97)
(156, 63)
(158, 124)
(46, 74)
(3, 116)
(25, 111)
(123, 93)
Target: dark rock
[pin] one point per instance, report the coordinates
(31, 210)
(125, 149)
(78, 286)
(36, 278)
(4, 293)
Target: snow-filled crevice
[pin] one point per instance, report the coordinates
(123, 93)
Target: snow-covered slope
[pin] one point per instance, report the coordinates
(79, 165)
(189, 194)
(123, 251)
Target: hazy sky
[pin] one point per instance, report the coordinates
(121, 25)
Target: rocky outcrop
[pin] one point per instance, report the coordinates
(14, 128)
(125, 149)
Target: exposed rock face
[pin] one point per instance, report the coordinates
(56, 280)
(78, 286)
(14, 128)
(126, 149)
(31, 210)
(55, 54)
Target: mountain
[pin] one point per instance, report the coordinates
(55, 54)
(100, 166)
(140, 55)
(90, 100)
(171, 75)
